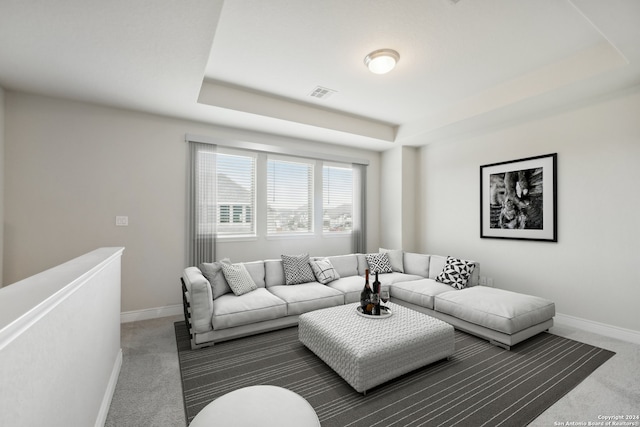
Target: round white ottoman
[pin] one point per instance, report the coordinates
(260, 405)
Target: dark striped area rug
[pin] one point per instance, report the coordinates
(481, 385)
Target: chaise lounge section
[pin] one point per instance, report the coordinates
(215, 313)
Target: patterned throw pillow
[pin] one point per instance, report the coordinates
(324, 271)
(456, 272)
(297, 269)
(213, 273)
(238, 278)
(379, 263)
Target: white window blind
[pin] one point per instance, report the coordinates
(289, 196)
(337, 198)
(236, 193)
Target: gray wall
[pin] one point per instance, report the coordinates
(72, 167)
(592, 272)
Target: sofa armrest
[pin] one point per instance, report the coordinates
(200, 299)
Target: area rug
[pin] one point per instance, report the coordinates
(481, 385)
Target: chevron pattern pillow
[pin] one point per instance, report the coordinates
(379, 263)
(297, 269)
(456, 272)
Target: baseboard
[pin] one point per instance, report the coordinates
(151, 313)
(598, 328)
(108, 394)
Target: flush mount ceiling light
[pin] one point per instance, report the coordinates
(381, 61)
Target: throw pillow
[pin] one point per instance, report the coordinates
(396, 258)
(212, 271)
(456, 272)
(238, 278)
(324, 271)
(297, 269)
(379, 263)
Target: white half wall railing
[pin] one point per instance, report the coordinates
(60, 350)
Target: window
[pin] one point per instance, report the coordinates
(236, 193)
(337, 198)
(289, 196)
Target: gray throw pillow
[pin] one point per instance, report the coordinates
(396, 258)
(212, 271)
(297, 269)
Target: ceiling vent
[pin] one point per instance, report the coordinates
(321, 92)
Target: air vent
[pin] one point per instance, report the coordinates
(322, 92)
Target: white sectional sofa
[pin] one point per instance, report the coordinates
(214, 313)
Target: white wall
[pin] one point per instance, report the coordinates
(60, 343)
(72, 167)
(1, 180)
(398, 198)
(592, 272)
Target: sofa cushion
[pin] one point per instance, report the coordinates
(497, 309)
(256, 271)
(273, 272)
(416, 264)
(307, 297)
(436, 265)
(297, 269)
(379, 263)
(213, 273)
(345, 265)
(238, 278)
(324, 271)
(396, 258)
(231, 310)
(350, 286)
(419, 292)
(387, 279)
(456, 272)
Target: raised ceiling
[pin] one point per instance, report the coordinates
(465, 65)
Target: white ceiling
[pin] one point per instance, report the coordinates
(465, 65)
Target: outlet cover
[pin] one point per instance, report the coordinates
(122, 221)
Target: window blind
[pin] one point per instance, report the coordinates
(236, 193)
(337, 198)
(289, 196)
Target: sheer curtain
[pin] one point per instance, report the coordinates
(202, 203)
(359, 232)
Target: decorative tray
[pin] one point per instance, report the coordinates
(385, 312)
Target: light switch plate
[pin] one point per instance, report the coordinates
(122, 221)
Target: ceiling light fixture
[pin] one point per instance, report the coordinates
(381, 61)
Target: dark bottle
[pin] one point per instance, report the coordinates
(376, 298)
(365, 295)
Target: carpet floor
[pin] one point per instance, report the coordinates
(481, 385)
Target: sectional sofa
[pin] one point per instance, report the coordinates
(268, 299)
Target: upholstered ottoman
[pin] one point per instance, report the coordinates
(259, 405)
(367, 352)
(504, 317)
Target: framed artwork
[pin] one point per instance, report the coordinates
(518, 199)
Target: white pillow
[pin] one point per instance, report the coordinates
(238, 277)
(324, 271)
(396, 258)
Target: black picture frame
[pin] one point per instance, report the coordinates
(519, 199)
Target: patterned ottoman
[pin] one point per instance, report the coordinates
(368, 352)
